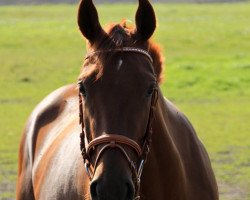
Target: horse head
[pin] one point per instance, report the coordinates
(118, 85)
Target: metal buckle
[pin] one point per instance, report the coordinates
(140, 170)
(87, 170)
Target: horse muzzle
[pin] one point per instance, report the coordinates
(112, 179)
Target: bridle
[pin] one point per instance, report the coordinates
(119, 141)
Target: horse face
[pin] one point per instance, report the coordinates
(118, 103)
(117, 90)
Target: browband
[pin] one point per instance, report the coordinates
(123, 49)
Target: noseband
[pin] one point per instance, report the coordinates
(107, 141)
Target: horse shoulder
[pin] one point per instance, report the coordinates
(47, 111)
(199, 174)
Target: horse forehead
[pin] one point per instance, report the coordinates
(126, 67)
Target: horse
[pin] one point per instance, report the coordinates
(113, 135)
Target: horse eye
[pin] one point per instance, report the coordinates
(150, 90)
(82, 89)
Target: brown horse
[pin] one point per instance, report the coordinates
(124, 122)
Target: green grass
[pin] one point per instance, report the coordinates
(207, 72)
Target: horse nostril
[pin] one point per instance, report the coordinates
(110, 189)
(93, 190)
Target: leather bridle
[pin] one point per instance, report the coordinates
(107, 141)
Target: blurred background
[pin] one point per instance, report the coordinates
(113, 1)
(206, 44)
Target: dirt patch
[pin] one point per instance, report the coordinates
(233, 192)
(7, 190)
(7, 182)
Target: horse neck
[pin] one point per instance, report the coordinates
(162, 140)
(164, 167)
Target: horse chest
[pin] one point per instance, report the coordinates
(59, 174)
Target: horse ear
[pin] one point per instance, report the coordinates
(88, 21)
(145, 20)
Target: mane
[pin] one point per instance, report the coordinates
(121, 35)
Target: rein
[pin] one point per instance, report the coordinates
(118, 141)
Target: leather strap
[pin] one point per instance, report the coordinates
(114, 140)
(123, 49)
(117, 146)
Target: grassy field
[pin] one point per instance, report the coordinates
(207, 75)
